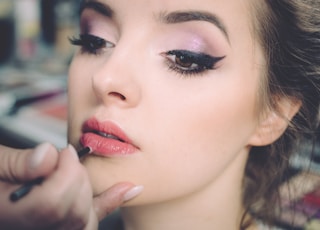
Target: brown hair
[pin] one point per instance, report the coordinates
(289, 33)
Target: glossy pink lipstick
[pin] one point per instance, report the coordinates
(106, 138)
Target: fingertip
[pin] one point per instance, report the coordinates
(73, 151)
(38, 155)
(132, 193)
(114, 197)
(42, 161)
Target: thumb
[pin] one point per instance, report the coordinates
(114, 197)
(19, 165)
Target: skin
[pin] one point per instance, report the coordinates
(194, 132)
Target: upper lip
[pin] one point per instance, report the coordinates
(106, 129)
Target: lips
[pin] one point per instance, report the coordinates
(108, 135)
(106, 139)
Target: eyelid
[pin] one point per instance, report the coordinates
(108, 44)
(96, 24)
(91, 44)
(195, 63)
(206, 59)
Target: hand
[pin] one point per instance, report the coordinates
(63, 201)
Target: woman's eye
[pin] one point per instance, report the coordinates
(91, 44)
(187, 62)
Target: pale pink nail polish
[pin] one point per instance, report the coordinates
(135, 191)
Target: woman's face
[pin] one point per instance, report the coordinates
(165, 92)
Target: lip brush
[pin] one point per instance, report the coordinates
(26, 188)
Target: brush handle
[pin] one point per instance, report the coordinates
(24, 189)
(84, 151)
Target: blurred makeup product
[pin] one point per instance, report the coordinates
(300, 201)
(27, 25)
(7, 30)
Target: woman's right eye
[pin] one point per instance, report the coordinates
(91, 44)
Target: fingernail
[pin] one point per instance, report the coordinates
(135, 191)
(73, 151)
(38, 155)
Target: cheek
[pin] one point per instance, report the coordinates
(213, 124)
(218, 113)
(79, 78)
(79, 98)
(197, 138)
(208, 137)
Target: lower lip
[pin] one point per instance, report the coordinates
(105, 146)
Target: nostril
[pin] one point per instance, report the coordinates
(118, 95)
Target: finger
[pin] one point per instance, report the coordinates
(93, 221)
(114, 197)
(60, 191)
(17, 165)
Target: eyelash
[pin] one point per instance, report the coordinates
(184, 62)
(91, 44)
(190, 63)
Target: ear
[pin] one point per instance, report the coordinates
(275, 121)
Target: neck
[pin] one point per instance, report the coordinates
(216, 206)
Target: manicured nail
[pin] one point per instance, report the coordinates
(38, 155)
(135, 191)
(73, 151)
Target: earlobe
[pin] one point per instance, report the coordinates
(275, 122)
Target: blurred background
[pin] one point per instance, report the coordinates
(34, 33)
(34, 58)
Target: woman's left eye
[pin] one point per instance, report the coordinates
(188, 62)
(90, 43)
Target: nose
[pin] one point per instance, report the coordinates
(115, 81)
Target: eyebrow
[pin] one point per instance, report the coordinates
(186, 16)
(96, 6)
(168, 18)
